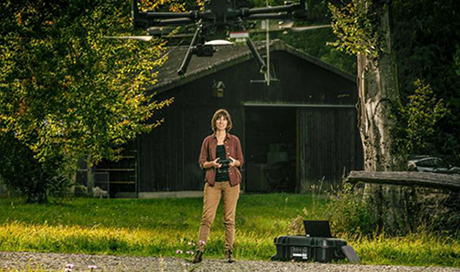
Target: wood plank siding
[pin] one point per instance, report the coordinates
(329, 145)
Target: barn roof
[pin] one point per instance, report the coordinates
(224, 57)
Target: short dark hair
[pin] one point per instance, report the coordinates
(219, 113)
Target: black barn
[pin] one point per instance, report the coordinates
(297, 132)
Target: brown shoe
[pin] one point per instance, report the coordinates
(229, 256)
(198, 257)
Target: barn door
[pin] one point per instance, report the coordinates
(270, 149)
(328, 147)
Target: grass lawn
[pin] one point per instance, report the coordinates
(160, 227)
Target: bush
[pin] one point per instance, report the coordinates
(439, 211)
(23, 173)
(422, 210)
(349, 214)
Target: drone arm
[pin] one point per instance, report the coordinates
(171, 15)
(154, 18)
(274, 9)
(188, 55)
(179, 21)
(268, 16)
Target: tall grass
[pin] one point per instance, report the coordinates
(156, 227)
(27, 270)
(159, 227)
(417, 249)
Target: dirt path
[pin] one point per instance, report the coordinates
(22, 261)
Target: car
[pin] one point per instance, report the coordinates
(432, 164)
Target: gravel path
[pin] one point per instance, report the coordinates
(12, 261)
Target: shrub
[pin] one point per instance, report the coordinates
(23, 173)
(349, 214)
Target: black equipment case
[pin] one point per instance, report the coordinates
(304, 248)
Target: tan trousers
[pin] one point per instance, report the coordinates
(211, 199)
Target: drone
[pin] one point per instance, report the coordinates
(218, 16)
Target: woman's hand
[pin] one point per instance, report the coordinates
(214, 164)
(234, 163)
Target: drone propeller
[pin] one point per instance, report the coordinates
(287, 25)
(306, 28)
(218, 42)
(139, 38)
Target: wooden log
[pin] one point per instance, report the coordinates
(422, 179)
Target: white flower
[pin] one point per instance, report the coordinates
(179, 251)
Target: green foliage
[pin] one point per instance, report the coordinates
(314, 44)
(355, 26)
(65, 90)
(457, 60)
(426, 45)
(349, 214)
(419, 120)
(22, 172)
(422, 114)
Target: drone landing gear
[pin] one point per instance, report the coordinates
(260, 61)
(188, 55)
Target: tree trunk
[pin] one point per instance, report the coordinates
(378, 99)
(89, 175)
(408, 178)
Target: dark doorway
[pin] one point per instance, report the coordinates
(270, 149)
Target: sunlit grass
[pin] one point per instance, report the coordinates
(159, 227)
(156, 227)
(419, 249)
(27, 270)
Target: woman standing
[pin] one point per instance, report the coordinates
(221, 157)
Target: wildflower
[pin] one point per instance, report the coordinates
(69, 267)
(189, 252)
(202, 243)
(92, 267)
(179, 251)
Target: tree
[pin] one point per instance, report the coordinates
(419, 119)
(65, 91)
(363, 28)
(26, 175)
(389, 131)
